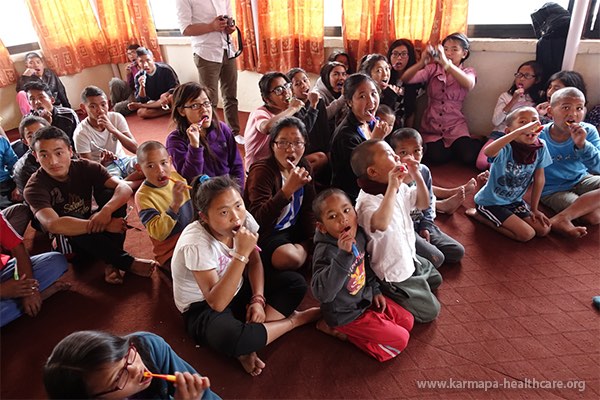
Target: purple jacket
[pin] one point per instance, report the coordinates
(190, 162)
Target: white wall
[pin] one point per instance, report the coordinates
(494, 60)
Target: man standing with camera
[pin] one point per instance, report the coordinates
(209, 22)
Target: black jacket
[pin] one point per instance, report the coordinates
(343, 283)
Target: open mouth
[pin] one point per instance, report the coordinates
(346, 229)
(371, 114)
(236, 228)
(162, 179)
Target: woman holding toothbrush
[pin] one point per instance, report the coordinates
(201, 144)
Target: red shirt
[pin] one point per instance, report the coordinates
(9, 239)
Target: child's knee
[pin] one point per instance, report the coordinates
(543, 230)
(428, 312)
(525, 234)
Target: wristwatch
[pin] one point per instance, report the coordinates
(239, 257)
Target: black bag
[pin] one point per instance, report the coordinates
(551, 27)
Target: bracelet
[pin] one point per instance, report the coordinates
(239, 257)
(258, 298)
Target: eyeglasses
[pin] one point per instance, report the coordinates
(526, 76)
(123, 375)
(196, 106)
(280, 89)
(404, 54)
(284, 145)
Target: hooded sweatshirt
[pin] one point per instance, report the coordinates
(343, 283)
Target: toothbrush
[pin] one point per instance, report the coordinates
(170, 378)
(175, 180)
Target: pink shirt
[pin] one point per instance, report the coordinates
(443, 118)
(257, 142)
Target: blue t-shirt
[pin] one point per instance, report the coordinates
(569, 164)
(509, 180)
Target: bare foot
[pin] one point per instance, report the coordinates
(472, 213)
(252, 364)
(113, 275)
(143, 267)
(452, 203)
(323, 327)
(470, 186)
(566, 227)
(482, 178)
(299, 318)
(57, 286)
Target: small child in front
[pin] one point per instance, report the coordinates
(352, 305)
(383, 206)
(163, 200)
(517, 159)
(431, 242)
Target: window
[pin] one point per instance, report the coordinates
(511, 18)
(333, 17)
(164, 14)
(16, 29)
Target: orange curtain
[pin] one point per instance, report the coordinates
(8, 74)
(69, 34)
(366, 27)
(243, 19)
(429, 21)
(290, 35)
(126, 22)
(369, 26)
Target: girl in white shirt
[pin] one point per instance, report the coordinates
(218, 280)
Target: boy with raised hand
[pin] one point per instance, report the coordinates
(60, 196)
(383, 206)
(572, 186)
(163, 200)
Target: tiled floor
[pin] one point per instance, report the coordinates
(512, 314)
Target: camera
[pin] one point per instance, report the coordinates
(230, 20)
(434, 53)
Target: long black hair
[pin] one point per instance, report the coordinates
(184, 93)
(74, 358)
(412, 58)
(536, 91)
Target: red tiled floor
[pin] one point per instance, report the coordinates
(511, 311)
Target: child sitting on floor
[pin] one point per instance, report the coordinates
(447, 200)
(94, 364)
(383, 206)
(573, 180)
(431, 242)
(218, 279)
(516, 158)
(163, 200)
(352, 305)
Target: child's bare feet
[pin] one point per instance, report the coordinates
(483, 177)
(113, 275)
(452, 203)
(252, 364)
(299, 318)
(57, 286)
(565, 227)
(323, 327)
(470, 186)
(143, 267)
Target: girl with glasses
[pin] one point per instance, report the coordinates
(279, 195)
(201, 144)
(279, 102)
(94, 364)
(401, 56)
(526, 91)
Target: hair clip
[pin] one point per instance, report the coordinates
(203, 178)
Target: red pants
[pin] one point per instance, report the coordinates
(382, 335)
